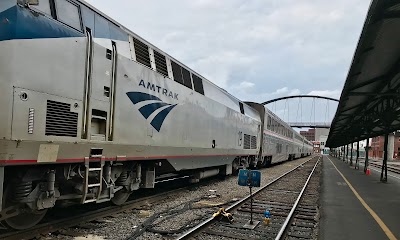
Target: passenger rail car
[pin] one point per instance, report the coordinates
(279, 142)
(92, 112)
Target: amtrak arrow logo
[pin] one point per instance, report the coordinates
(154, 104)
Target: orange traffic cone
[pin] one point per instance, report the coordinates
(368, 172)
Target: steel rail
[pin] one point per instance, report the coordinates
(54, 225)
(211, 219)
(289, 217)
(390, 168)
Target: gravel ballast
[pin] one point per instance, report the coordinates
(177, 213)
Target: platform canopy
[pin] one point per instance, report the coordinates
(370, 101)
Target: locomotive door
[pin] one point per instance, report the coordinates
(99, 91)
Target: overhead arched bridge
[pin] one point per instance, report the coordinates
(310, 125)
(314, 120)
(299, 96)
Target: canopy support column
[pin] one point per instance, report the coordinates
(344, 153)
(351, 155)
(366, 156)
(357, 166)
(385, 157)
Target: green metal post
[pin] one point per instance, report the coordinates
(357, 166)
(366, 156)
(351, 155)
(344, 153)
(385, 157)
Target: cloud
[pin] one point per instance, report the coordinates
(327, 93)
(221, 64)
(284, 47)
(281, 90)
(285, 91)
(294, 92)
(246, 85)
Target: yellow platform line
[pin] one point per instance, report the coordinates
(385, 229)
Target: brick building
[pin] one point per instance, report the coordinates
(317, 146)
(376, 150)
(376, 144)
(309, 134)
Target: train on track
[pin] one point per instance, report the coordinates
(92, 112)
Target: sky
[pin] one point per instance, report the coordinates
(256, 49)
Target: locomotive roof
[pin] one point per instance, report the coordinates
(152, 46)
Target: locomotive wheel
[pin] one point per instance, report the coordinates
(27, 217)
(235, 167)
(260, 164)
(120, 197)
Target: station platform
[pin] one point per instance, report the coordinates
(356, 206)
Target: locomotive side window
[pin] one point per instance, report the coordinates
(101, 28)
(43, 6)
(187, 81)
(198, 84)
(241, 107)
(68, 13)
(117, 33)
(181, 75)
(176, 70)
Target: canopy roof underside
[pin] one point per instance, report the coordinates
(370, 101)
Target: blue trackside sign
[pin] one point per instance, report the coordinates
(249, 178)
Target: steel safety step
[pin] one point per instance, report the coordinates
(90, 200)
(94, 169)
(94, 185)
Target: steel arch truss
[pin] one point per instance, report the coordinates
(298, 96)
(304, 124)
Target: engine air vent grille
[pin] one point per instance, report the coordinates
(142, 53)
(60, 121)
(253, 142)
(161, 63)
(246, 144)
(250, 142)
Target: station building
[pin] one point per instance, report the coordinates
(318, 137)
(376, 146)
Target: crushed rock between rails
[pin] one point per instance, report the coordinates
(123, 225)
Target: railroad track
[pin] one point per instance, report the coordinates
(390, 168)
(75, 220)
(289, 219)
(93, 212)
(87, 215)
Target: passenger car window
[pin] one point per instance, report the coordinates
(68, 13)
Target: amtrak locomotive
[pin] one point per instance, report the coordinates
(92, 112)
